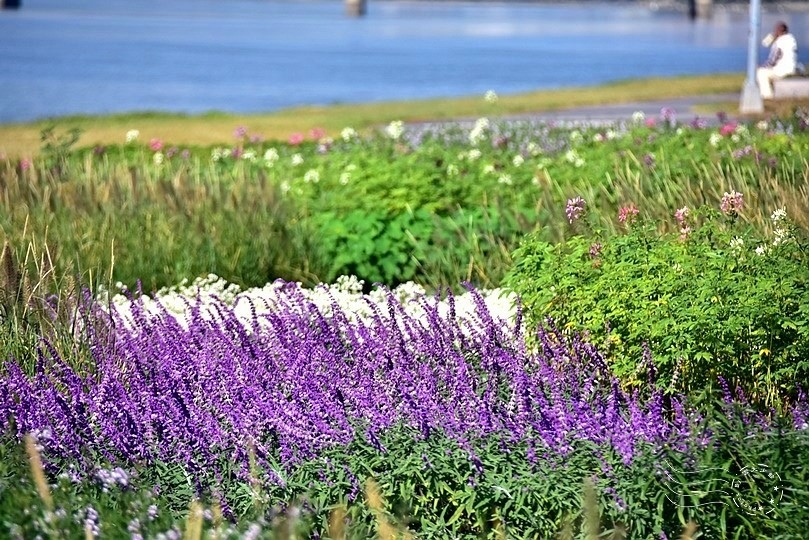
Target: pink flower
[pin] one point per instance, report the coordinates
(681, 215)
(650, 122)
(25, 164)
(240, 132)
(668, 115)
(728, 129)
(156, 145)
(317, 133)
(296, 139)
(627, 214)
(731, 202)
(595, 249)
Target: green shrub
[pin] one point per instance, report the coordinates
(395, 247)
(374, 246)
(718, 300)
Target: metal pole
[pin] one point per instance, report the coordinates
(751, 101)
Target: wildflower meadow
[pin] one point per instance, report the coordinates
(501, 330)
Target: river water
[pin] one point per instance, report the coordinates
(61, 57)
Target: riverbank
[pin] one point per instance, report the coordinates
(23, 139)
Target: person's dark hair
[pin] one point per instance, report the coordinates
(782, 26)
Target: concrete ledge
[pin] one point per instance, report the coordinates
(791, 88)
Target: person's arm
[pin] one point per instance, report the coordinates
(775, 56)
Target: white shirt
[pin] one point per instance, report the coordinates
(783, 55)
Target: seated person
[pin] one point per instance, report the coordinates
(782, 62)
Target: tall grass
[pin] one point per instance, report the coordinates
(134, 224)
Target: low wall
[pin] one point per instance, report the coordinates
(791, 88)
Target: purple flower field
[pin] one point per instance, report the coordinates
(280, 387)
(294, 381)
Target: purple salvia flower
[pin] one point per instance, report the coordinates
(291, 379)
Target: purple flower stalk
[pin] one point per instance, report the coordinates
(574, 209)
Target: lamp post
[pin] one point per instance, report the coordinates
(751, 101)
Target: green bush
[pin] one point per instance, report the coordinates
(396, 247)
(717, 300)
(374, 246)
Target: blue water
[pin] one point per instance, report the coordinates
(62, 57)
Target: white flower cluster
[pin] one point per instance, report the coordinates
(490, 96)
(132, 135)
(533, 148)
(608, 135)
(478, 132)
(576, 137)
(571, 156)
(220, 153)
(345, 176)
(781, 233)
(395, 130)
(206, 294)
(504, 179)
(348, 134)
(270, 157)
(472, 155)
(739, 133)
